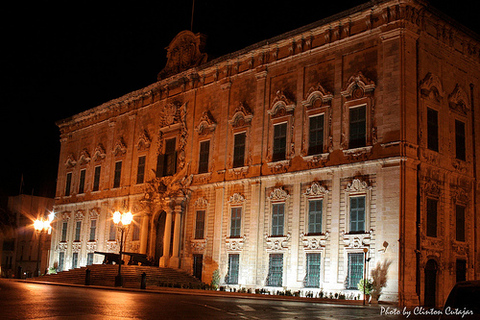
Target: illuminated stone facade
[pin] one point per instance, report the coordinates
(280, 163)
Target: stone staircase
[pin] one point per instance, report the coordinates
(104, 275)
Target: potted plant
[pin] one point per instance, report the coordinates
(365, 286)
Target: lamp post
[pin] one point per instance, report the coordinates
(122, 221)
(41, 225)
(365, 251)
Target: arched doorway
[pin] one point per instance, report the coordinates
(159, 232)
(430, 283)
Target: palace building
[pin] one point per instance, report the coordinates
(297, 163)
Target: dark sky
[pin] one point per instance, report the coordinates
(59, 60)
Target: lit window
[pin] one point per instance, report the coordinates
(233, 266)
(113, 231)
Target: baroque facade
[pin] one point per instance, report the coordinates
(294, 163)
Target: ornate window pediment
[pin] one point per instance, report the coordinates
(70, 162)
(170, 114)
(316, 190)
(460, 196)
(84, 157)
(207, 123)
(315, 242)
(282, 105)
(278, 194)
(275, 243)
(355, 241)
(94, 213)
(119, 148)
(317, 97)
(79, 215)
(235, 244)
(458, 100)
(432, 189)
(358, 86)
(431, 86)
(144, 141)
(236, 199)
(99, 153)
(201, 203)
(357, 186)
(242, 116)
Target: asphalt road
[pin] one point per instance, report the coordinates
(22, 300)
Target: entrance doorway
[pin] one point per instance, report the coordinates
(197, 266)
(159, 231)
(430, 283)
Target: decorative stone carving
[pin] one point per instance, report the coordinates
(184, 52)
(94, 213)
(277, 243)
(431, 188)
(235, 244)
(66, 216)
(282, 105)
(357, 86)
(458, 100)
(169, 114)
(316, 190)
(314, 242)
(317, 96)
(242, 116)
(99, 153)
(91, 246)
(62, 246)
(112, 246)
(119, 148)
(236, 199)
(357, 185)
(279, 166)
(198, 245)
(201, 203)
(207, 123)
(144, 141)
(79, 215)
(431, 85)
(356, 240)
(460, 196)
(70, 162)
(278, 194)
(460, 248)
(84, 157)
(76, 246)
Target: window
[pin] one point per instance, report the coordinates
(204, 155)
(278, 215)
(112, 232)
(315, 141)
(78, 227)
(315, 216)
(460, 140)
(200, 224)
(233, 266)
(279, 142)
(93, 230)
(68, 184)
(64, 231)
(81, 186)
(275, 270)
(461, 270)
(89, 258)
(312, 279)
(355, 270)
(61, 260)
(167, 162)
(432, 217)
(235, 222)
(118, 174)
(96, 178)
(432, 129)
(239, 150)
(75, 260)
(136, 228)
(141, 170)
(357, 214)
(358, 127)
(460, 223)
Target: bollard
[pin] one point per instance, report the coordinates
(143, 282)
(87, 277)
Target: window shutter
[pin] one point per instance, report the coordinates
(160, 164)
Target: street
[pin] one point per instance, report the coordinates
(22, 300)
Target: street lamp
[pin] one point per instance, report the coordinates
(122, 221)
(41, 225)
(365, 251)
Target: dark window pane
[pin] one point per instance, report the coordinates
(432, 129)
(93, 229)
(233, 266)
(432, 217)
(460, 223)
(315, 142)
(239, 150)
(278, 219)
(118, 174)
(200, 224)
(312, 278)
(170, 158)
(357, 214)
(141, 170)
(461, 270)
(236, 222)
(460, 140)
(68, 184)
(78, 227)
(355, 269)
(96, 178)
(315, 216)
(358, 127)
(279, 142)
(204, 155)
(275, 270)
(81, 186)
(64, 231)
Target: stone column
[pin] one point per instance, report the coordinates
(175, 259)
(144, 233)
(166, 238)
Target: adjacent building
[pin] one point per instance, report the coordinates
(297, 163)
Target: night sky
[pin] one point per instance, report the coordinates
(59, 60)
